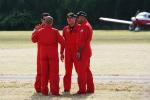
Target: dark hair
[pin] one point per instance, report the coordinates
(81, 13)
(71, 15)
(44, 14)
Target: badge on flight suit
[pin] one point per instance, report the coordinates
(81, 30)
(68, 30)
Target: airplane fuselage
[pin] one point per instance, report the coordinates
(141, 19)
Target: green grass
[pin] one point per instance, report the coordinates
(15, 36)
(114, 52)
(120, 36)
(15, 39)
(22, 39)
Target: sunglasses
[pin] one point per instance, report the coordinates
(42, 18)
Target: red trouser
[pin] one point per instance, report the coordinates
(49, 70)
(70, 59)
(37, 84)
(85, 78)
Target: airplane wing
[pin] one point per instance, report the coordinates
(148, 24)
(115, 20)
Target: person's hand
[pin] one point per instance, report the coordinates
(37, 26)
(78, 55)
(62, 57)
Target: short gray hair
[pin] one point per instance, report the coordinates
(49, 19)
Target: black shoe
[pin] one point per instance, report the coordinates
(66, 91)
(38, 91)
(78, 94)
(56, 95)
(90, 92)
(44, 94)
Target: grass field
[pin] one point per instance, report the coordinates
(23, 37)
(114, 53)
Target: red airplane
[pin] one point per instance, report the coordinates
(140, 19)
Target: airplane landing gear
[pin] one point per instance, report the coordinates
(135, 28)
(131, 27)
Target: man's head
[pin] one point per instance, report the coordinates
(81, 17)
(48, 20)
(71, 19)
(43, 15)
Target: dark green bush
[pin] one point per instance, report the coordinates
(17, 21)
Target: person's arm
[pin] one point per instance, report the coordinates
(89, 35)
(34, 37)
(81, 41)
(38, 26)
(64, 37)
(62, 45)
(84, 38)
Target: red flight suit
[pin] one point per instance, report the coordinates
(85, 78)
(48, 38)
(37, 84)
(71, 40)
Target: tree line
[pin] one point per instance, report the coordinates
(24, 14)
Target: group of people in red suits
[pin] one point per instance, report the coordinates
(75, 49)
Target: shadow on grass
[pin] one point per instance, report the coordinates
(38, 96)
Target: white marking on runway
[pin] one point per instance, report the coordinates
(97, 78)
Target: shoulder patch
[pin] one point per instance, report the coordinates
(81, 30)
(68, 30)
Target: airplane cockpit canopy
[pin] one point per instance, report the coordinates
(143, 15)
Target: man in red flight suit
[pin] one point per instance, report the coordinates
(70, 34)
(48, 39)
(37, 84)
(85, 78)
